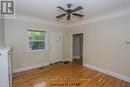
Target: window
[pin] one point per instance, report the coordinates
(36, 39)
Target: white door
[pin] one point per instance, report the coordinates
(56, 46)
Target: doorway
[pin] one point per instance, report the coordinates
(78, 49)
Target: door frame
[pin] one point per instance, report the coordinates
(84, 34)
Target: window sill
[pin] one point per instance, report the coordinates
(43, 50)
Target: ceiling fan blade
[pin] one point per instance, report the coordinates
(61, 8)
(77, 9)
(79, 15)
(68, 16)
(59, 16)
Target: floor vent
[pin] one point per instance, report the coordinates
(56, 62)
(41, 67)
(66, 62)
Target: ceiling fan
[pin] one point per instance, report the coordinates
(69, 12)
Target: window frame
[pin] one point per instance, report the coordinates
(45, 40)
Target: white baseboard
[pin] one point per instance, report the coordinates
(108, 72)
(67, 59)
(28, 67)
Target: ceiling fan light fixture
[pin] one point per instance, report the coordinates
(69, 5)
(70, 12)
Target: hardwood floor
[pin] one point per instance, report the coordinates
(65, 75)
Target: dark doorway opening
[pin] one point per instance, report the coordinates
(78, 49)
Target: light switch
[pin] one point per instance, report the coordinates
(57, 38)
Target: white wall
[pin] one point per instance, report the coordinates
(1, 32)
(16, 36)
(105, 44)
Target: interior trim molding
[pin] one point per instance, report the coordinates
(108, 72)
(114, 14)
(105, 16)
(15, 70)
(37, 20)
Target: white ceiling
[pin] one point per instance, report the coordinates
(46, 9)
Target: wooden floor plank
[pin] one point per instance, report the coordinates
(65, 75)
